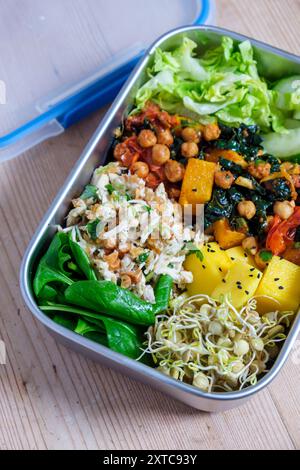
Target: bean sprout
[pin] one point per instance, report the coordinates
(184, 345)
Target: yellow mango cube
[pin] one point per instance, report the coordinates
(209, 272)
(238, 253)
(281, 281)
(240, 283)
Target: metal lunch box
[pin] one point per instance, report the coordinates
(274, 64)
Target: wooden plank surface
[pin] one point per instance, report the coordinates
(56, 399)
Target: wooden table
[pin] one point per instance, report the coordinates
(53, 398)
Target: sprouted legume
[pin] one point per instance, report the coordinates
(214, 346)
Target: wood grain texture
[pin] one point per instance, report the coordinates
(53, 398)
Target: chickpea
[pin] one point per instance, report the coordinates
(120, 150)
(284, 209)
(160, 154)
(224, 179)
(211, 132)
(246, 209)
(189, 134)
(174, 171)
(164, 137)
(140, 169)
(147, 138)
(189, 150)
(250, 245)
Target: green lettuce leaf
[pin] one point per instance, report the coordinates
(223, 84)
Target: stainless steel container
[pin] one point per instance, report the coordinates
(274, 64)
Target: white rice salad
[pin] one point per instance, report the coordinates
(131, 233)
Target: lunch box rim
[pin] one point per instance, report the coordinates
(103, 352)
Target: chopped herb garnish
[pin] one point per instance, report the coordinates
(266, 256)
(147, 208)
(142, 258)
(90, 192)
(194, 250)
(110, 188)
(92, 229)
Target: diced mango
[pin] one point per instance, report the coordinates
(198, 182)
(240, 283)
(209, 272)
(226, 237)
(238, 253)
(281, 281)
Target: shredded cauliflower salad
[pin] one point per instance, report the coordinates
(131, 233)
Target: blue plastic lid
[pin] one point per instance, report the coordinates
(62, 60)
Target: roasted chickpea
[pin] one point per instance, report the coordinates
(246, 209)
(211, 132)
(250, 245)
(224, 179)
(120, 150)
(147, 138)
(189, 150)
(174, 171)
(164, 137)
(160, 154)
(284, 209)
(189, 134)
(140, 169)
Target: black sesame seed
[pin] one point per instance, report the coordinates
(281, 288)
(232, 258)
(245, 254)
(220, 269)
(240, 287)
(204, 267)
(194, 190)
(276, 279)
(252, 269)
(251, 275)
(224, 281)
(247, 292)
(258, 276)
